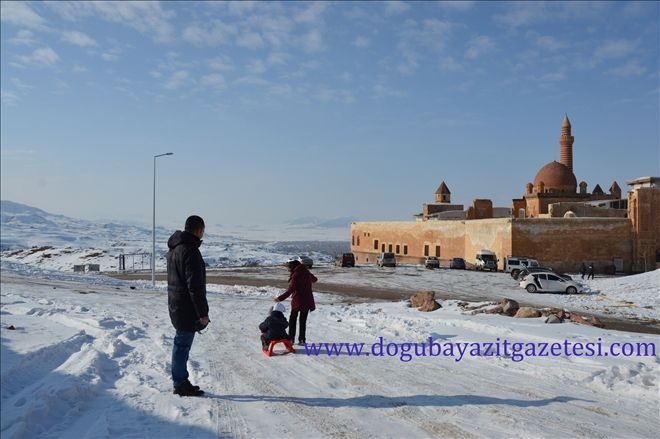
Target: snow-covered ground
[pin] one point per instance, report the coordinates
(633, 297)
(90, 358)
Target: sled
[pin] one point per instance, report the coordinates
(285, 341)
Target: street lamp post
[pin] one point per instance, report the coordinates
(153, 229)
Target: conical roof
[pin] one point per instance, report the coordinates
(443, 189)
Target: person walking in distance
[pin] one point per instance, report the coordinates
(302, 298)
(186, 297)
(590, 273)
(583, 270)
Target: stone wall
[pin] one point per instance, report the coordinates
(643, 208)
(558, 210)
(415, 240)
(564, 243)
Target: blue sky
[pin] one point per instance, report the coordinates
(282, 110)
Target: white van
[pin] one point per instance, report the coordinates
(486, 260)
(513, 264)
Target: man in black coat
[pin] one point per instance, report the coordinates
(186, 296)
(274, 327)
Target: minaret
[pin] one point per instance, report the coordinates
(566, 144)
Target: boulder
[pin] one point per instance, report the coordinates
(509, 307)
(547, 312)
(419, 299)
(526, 312)
(553, 319)
(430, 306)
(424, 301)
(592, 321)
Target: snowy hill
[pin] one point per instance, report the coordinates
(33, 236)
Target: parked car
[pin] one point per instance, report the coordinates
(513, 264)
(432, 262)
(486, 260)
(548, 282)
(306, 261)
(457, 263)
(345, 260)
(386, 260)
(526, 271)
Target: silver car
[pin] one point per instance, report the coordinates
(306, 261)
(549, 282)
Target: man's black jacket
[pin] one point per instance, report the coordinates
(186, 281)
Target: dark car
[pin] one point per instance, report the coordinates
(345, 260)
(457, 263)
(386, 260)
(432, 262)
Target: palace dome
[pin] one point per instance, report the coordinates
(556, 177)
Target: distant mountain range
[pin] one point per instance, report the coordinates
(26, 226)
(322, 223)
(33, 236)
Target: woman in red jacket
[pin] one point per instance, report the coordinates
(302, 299)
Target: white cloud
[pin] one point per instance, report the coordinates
(281, 90)
(213, 33)
(382, 91)
(326, 94)
(23, 37)
(522, 14)
(408, 64)
(313, 41)
(345, 76)
(147, 17)
(240, 8)
(177, 79)
(551, 77)
(431, 33)
(17, 153)
(457, 5)
(277, 58)
(547, 42)
(256, 67)
(614, 49)
(529, 13)
(251, 40)
(78, 69)
(313, 13)
(361, 42)
(8, 98)
(21, 14)
(449, 64)
(78, 38)
(395, 7)
(42, 57)
(222, 63)
(213, 80)
(251, 80)
(631, 68)
(112, 54)
(20, 84)
(479, 46)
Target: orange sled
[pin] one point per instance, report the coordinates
(285, 341)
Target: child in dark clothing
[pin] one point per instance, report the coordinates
(274, 327)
